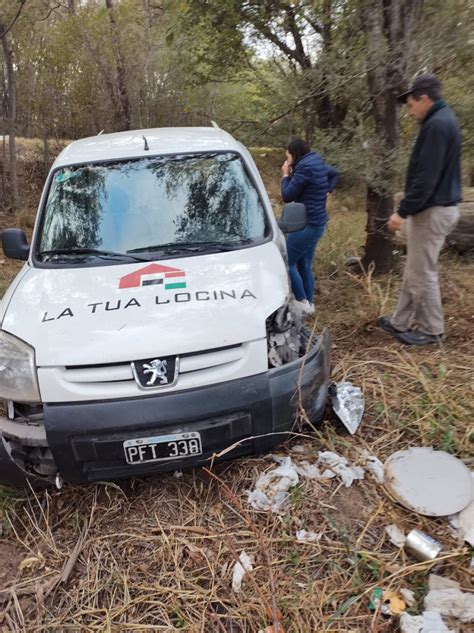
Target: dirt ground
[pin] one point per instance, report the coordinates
(158, 553)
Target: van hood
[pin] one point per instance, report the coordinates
(116, 313)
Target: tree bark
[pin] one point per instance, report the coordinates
(11, 115)
(388, 26)
(124, 118)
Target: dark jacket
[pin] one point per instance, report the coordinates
(434, 172)
(310, 183)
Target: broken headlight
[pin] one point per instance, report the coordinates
(283, 336)
(17, 370)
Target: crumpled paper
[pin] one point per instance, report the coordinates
(309, 537)
(348, 404)
(451, 602)
(408, 595)
(428, 622)
(240, 569)
(271, 489)
(340, 467)
(374, 465)
(444, 598)
(396, 535)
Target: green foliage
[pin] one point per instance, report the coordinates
(265, 71)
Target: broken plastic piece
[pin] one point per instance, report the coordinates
(429, 482)
(389, 602)
(348, 404)
(240, 569)
(283, 336)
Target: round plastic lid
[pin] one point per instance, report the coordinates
(429, 482)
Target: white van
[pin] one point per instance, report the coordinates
(151, 327)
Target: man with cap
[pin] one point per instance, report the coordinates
(432, 191)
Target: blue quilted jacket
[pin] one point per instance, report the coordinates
(311, 181)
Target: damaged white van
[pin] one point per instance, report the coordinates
(150, 327)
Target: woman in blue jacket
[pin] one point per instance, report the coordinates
(307, 179)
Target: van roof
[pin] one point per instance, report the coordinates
(165, 140)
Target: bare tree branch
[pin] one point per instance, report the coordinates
(6, 30)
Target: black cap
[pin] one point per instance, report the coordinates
(422, 82)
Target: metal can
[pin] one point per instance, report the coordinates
(423, 546)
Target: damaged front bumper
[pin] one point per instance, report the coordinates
(84, 442)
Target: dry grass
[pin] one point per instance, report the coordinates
(157, 554)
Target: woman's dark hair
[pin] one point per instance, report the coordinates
(298, 148)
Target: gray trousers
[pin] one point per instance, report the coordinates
(420, 297)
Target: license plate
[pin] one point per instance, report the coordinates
(162, 447)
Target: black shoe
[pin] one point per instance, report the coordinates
(386, 325)
(415, 337)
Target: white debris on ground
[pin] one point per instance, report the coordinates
(451, 602)
(396, 535)
(240, 569)
(348, 404)
(373, 465)
(444, 598)
(272, 488)
(408, 595)
(340, 467)
(463, 523)
(307, 470)
(428, 622)
(429, 482)
(309, 537)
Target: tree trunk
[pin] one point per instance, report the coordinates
(125, 114)
(388, 27)
(379, 241)
(11, 116)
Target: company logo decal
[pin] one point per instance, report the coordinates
(155, 274)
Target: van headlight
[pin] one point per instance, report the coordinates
(18, 379)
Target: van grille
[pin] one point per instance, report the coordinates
(119, 372)
(115, 380)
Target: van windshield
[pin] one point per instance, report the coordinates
(158, 205)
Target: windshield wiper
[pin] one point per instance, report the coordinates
(198, 247)
(92, 251)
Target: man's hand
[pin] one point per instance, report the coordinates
(395, 222)
(286, 168)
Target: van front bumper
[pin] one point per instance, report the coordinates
(251, 415)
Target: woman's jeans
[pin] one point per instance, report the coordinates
(301, 246)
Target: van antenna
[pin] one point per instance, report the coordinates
(214, 124)
(146, 148)
(101, 132)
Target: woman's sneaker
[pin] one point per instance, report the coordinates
(302, 308)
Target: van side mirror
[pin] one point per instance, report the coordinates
(14, 244)
(294, 217)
